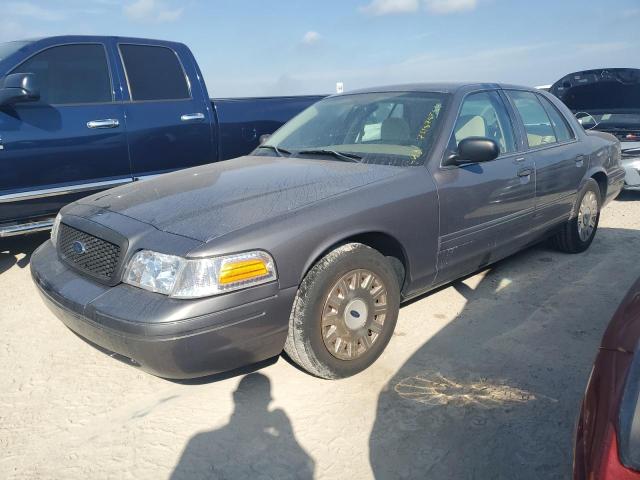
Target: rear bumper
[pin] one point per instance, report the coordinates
(166, 337)
(615, 183)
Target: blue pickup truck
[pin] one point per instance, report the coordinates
(80, 114)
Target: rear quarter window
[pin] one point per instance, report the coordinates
(560, 125)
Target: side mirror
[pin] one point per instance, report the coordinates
(264, 138)
(475, 150)
(19, 87)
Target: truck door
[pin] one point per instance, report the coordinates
(169, 120)
(70, 142)
(485, 208)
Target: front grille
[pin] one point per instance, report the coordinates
(87, 253)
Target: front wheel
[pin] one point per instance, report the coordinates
(578, 233)
(344, 313)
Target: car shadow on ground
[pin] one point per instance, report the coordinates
(256, 443)
(496, 393)
(17, 250)
(628, 196)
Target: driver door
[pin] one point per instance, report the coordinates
(486, 209)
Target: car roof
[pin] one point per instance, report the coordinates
(94, 38)
(447, 87)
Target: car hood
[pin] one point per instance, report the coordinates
(212, 200)
(602, 89)
(623, 332)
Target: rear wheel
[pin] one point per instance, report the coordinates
(344, 313)
(578, 233)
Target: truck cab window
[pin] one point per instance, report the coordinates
(71, 74)
(154, 73)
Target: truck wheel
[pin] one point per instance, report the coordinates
(578, 233)
(344, 313)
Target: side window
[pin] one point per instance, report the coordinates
(154, 73)
(71, 74)
(560, 126)
(536, 121)
(484, 115)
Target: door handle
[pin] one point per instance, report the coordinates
(188, 117)
(579, 160)
(519, 160)
(106, 123)
(525, 172)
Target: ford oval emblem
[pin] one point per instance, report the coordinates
(78, 247)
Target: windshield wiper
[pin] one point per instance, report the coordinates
(278, 150)
(346, 157)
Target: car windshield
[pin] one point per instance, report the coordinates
(394, 128)
(9, 48)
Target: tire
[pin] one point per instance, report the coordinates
(569, 239)
(340, 299)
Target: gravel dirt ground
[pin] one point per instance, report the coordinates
(483, 379)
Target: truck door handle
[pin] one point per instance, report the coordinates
(188, 117)
(525, 172)
(106, 123)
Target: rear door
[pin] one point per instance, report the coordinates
(70, 142)
(485, 208)
(560, 159)
(168, 117)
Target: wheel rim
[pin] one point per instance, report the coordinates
(587, 216)
(353, 314)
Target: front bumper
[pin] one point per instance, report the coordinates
(166, 337)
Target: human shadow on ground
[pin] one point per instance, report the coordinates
(256, 443)
(496, 393)
(13, 247)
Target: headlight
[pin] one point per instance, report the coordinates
(195, 278)
(54, 229)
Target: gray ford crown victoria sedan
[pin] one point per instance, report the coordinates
(310, 244)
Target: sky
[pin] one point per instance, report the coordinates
(290, 47)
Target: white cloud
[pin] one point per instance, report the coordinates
(28, 9)
(311, 37)
(388, 7)
(152, 10)
(450, 6)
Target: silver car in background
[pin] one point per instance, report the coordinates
(608, 100)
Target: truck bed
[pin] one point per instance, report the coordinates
(243, 120)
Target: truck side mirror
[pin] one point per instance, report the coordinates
(19, 87)
(475, 150)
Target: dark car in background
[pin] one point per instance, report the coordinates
(608, 434)
(608, 100)
(80, 114)
(310, 244)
